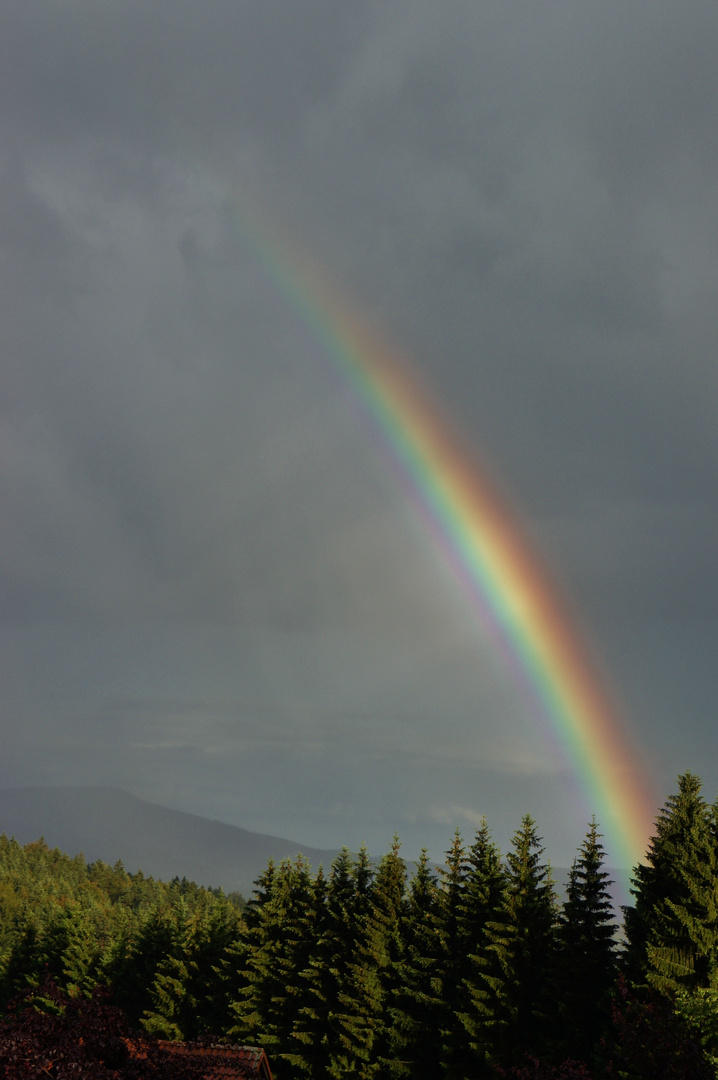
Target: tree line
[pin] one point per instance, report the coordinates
(475, 970)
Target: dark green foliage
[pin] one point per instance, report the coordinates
(537, 1070)
(671, 930)
(188, 993)
(454, 963)
(362, 877)
(358, 976)
(319, 1028)
(373, 976)
(319, 984)
(275, 949)
(682, 948)
(482, 905)
(416, 1002)
(138, 952)
(585, 960)
(83, 925)
(61, 922)
(323, 1037)
(346, 1017)
(514, 1000)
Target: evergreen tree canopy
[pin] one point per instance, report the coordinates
(277, 947)
(417, 998)
(355, 976)
(188, 993)
(671, 930)
(482, 904)
(373, 974)
(515, 996)
(585, 962)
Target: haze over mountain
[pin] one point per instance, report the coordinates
(110, 824)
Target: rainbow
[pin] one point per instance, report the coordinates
(479, 535)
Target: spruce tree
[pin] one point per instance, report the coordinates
(698, 1004)
(67, 951)
(417, 999)
(481, 904)
(278, 943)
(317, 991)
(137, 956)
(361, 1048)
(363, 878)
(454, 963)
(513, 994)
(188, 993)
(585, 967)
(324, 1031)
(682, 951)
(88, 945)
(376, 974)
(23, 962)
(341, 1041)
(663, 929)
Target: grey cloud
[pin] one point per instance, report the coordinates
(547, 237)
(181, 447)
(146, 71)
(523, 195)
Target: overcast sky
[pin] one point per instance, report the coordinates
(214, 593)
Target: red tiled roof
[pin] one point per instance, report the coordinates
(224, 1062)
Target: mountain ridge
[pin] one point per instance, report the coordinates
(111, 824)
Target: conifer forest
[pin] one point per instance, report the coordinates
(364, 969)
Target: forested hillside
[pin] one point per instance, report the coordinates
(477, 971)
(111, 824)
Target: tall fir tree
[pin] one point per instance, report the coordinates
(87, 949)
(482, 903)
(278, 942)
(682, 952)
(188, 995)
(696, 999)
(454, 963)
(380, 958)
(362, 1048)
(137, 956)
(417, 1000)
(22, 962)
(585, 962)
(663, 948)
(324, 1037)
(514, 999)
(317, 991)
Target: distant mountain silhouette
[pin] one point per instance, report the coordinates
(110, 824)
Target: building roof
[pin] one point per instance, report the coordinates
(224, 1062)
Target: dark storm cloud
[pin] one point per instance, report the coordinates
(143, 70)
(163, 451)
(488, 180)
(524, 195)
(567, 310)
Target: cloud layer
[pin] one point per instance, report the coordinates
(524, 196)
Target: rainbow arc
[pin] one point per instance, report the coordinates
(479, 536)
